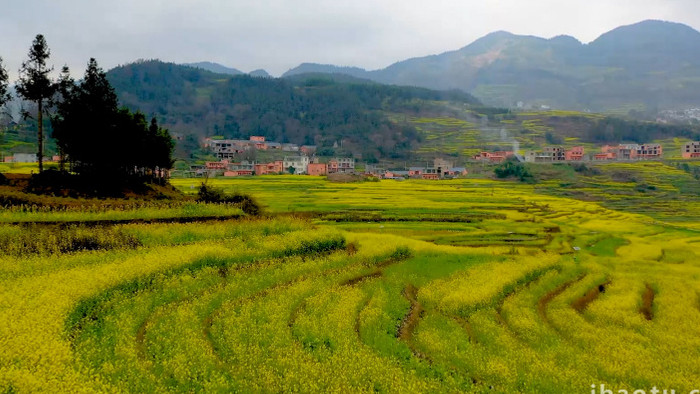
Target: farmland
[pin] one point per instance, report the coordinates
(417, 286)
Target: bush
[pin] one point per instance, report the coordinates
(402, 253)
(247, 203)
(584, 169)
(513, 169)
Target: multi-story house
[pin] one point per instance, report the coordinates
(691, 150)
(556, 153)
(342, 165)
(493, 157)
(631, 152)
(574, 154)
(649, 151)
(275, 167)
(299, 163)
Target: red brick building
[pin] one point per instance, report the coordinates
(275, 167)
(574, 154)
(317, 169)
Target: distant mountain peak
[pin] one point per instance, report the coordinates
(215, 68)
(260, 73)
(565, 39)
(312, 68)
(650, 31)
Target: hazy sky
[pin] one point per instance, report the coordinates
(277, 35)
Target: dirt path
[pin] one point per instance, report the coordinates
(580, 304)
(647, 308)
(411, 320)
(547, 298)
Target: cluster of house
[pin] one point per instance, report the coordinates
(493, 157)
(555, 153)
(629, 152)
(548, 154)
(28, 158)
(227, 149)
(439, 169)
(577, 153)
(299, 165)
(304, 165)
(607, 152)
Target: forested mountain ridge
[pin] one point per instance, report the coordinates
(345, 115)
(314, 109)
(647, 66)
(215, 68)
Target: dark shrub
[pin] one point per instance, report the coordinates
(513, 169)
(247, 203)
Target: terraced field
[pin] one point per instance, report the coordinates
(465, 133)
(412, 286)
(659, 190)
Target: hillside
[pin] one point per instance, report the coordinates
(342, 115)
(195, 103)
(648, 66)
(463, 132)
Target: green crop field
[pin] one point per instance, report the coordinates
(417, 286)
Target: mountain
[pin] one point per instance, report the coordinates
(260, 73)
(307, 109)
(221, 69)
(649, 66)
(313, 68)
(215, 68)
(346, 115)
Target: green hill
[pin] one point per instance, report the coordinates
(311, 109)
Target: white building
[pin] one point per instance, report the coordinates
(25, 158)
(299, 163)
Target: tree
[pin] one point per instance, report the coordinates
(104, 141)
(513, 168)
(35, 85)
(4, 92)
(64, 89)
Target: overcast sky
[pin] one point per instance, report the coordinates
(280, 34)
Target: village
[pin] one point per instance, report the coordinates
(302, 160)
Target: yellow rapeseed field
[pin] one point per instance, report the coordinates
(415, 286)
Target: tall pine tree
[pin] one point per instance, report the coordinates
(35, 85)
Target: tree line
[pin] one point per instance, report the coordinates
(94, 135)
